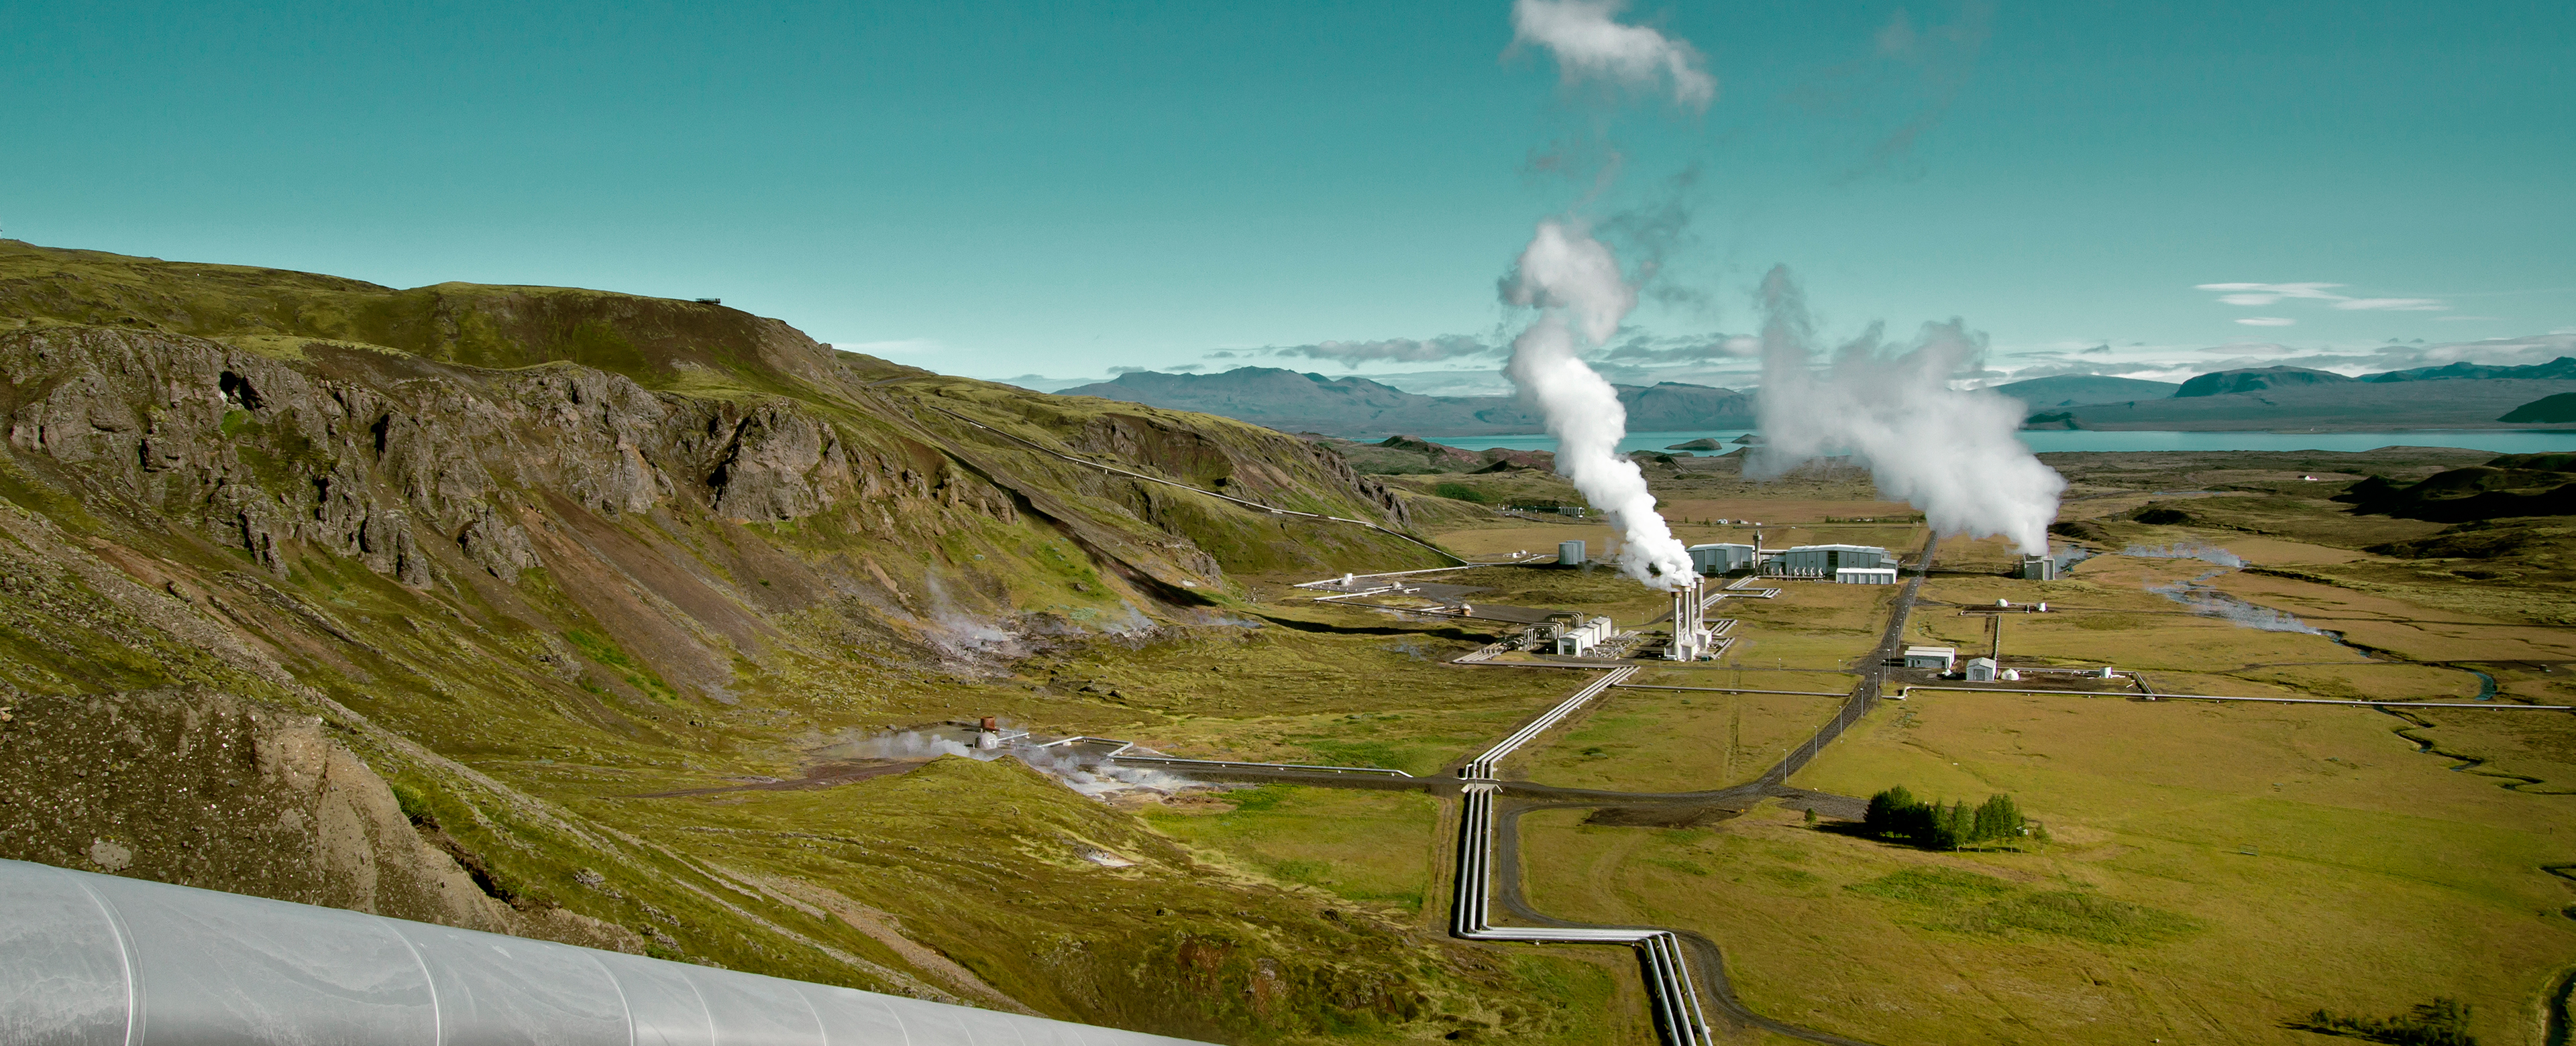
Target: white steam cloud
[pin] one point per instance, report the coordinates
(1588, 42)
(1575, 283)
(1951, 453)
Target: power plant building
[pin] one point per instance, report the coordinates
(2038, 568)
(1721, 558)
(1823, 562)
(1569, 553)
(1865, 576)
(1938, 658)
(1981, 670)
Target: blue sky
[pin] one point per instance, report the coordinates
(1062, 189)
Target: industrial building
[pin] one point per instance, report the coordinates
(1938, 658)
(1569, 553)
(2038, 568)
(1865, 576)
(1722, 558)
(1576, 640)
(1981, 670)
(1823, 561)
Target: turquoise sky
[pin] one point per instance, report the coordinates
(1062, 188)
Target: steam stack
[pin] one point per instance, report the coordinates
(1691, 640)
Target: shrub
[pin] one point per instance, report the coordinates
(2441, 1022)
(414, 804)
(1459, 492)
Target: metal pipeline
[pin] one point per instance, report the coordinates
(100, 959)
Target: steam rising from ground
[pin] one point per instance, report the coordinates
(1575, 283)
(2211, 602)
(1096, 781)
(2186, 550)
(1950, 453)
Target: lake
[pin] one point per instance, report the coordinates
(2522, 441)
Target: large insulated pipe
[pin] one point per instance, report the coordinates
(88, 958)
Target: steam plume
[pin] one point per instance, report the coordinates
(1575, 282)
(1950, 453)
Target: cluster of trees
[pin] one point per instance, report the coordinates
(1896, 814)
(2441, 1022)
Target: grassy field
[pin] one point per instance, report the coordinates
(2214, 872)
(2211, 872)
(1367, 847)
(1672, 741)
(1812, 625)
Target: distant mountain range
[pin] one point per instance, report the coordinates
(2562, 368)
(2068, 390)
(2460, 395)
(1353, 406)
(2256, 379)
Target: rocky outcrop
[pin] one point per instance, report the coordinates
(779, 463)
(210, 790)
(379, 462)
(205, 789)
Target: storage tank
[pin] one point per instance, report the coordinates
(1569, 553)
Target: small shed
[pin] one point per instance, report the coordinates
(1937, 658)
(1981, 670)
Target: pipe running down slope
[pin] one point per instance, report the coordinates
(98, 959)
(1668, 979)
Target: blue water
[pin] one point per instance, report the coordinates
(2501, 442)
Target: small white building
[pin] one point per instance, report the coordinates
(1937, 658)
(1864, 576)
(1981, 670)
(1577, 640)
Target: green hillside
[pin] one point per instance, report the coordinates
(421, 601)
